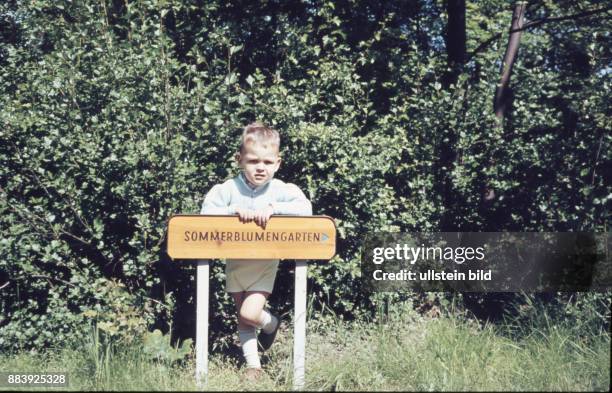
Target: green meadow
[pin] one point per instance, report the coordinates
(403, 351)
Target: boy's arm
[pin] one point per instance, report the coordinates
(215, 203)
(294, 202)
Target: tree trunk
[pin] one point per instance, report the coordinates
(503, 93)
(502, 100)
(455, 39)
(447, 156)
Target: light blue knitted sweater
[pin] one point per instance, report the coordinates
(285, 198)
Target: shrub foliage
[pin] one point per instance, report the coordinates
(115, 115)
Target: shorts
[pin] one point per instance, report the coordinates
(250, 275)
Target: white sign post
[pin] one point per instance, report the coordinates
(202, 277)
(299, 327)
(285, 237)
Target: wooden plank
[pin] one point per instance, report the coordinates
(285, 237)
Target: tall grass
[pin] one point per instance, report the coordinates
(454, 354)
(402, 351)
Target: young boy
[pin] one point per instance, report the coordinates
(254, 195)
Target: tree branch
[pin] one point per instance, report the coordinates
(500, 102)
(539, 22)
(28, 214)
(155, 301)
(596, 160)
(45, 278)
(46, 190)
(535, 23)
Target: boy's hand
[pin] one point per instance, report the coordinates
(245, 215)
(261, 217)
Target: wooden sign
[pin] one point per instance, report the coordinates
(285, 237)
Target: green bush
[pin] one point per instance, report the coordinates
(116, 115)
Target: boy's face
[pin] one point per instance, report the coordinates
(259, 162)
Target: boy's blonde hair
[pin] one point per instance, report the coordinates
(258, 132)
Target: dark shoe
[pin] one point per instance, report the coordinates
(252, 374)
(264, 339)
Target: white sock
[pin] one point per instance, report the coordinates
(268, 322)
(248, 341)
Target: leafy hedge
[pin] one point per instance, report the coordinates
(113, 118)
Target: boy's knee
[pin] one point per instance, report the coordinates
(249, 317)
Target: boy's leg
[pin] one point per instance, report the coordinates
(252, 313)
(247, 334)
(252, 305)
(238, 299)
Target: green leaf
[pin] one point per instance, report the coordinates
(235, 49)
